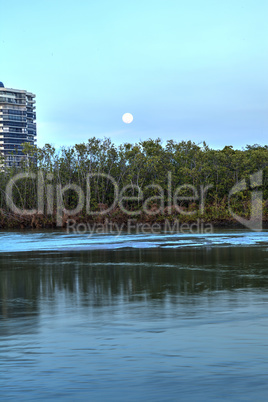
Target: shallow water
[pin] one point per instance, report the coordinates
(61, 241)
(135, 317)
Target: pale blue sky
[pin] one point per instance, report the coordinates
(193, 70)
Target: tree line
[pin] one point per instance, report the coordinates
(184, 165)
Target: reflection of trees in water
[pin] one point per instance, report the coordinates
(155, 273)
(98, 278)
(19, 289)
(19, 293)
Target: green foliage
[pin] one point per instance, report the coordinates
(141, 164)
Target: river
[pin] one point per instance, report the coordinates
(163, 317)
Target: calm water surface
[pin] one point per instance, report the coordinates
(134, 317)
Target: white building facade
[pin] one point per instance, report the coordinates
(17, 123)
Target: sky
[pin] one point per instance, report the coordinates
(186, 70)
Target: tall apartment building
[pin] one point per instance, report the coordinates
(17, 123)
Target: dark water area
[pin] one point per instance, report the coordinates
(134, 323)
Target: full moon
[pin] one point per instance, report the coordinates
(127, 118)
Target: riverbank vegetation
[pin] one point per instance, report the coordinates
(148, 171)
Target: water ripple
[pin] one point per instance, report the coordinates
(60, 241)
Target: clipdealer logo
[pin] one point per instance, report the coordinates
(255, 221)
(50, 198)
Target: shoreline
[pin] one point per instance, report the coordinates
(37, 221)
